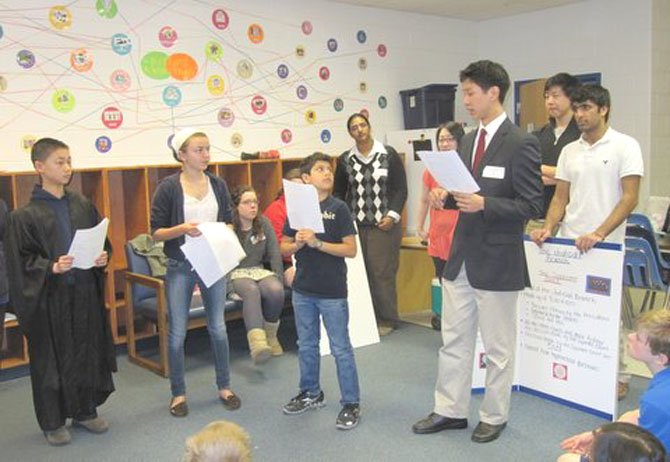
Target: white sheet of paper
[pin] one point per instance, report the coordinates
(88, 244)
(214, 253)
(449, 171)
(302, 206)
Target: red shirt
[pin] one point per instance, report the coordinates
(442, 225)
(276, 213)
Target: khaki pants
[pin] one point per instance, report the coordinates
(381, 253)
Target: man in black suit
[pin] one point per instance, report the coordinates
(487, 267)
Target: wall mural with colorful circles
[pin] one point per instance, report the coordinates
(115, 81)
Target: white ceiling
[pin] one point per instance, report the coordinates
(473, 10)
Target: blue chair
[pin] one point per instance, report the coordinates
(146, 299)
(639, 225)
(641, 271)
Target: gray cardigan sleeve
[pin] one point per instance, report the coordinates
(272, 253)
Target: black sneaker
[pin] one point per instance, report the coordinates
(303, 402)
(348, 417)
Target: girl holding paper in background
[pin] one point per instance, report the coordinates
(180, 202)
(261, 289)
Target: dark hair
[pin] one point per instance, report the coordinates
(566, 82)
(656, 324)
(626, 442)
(291, 174)
(44, 147)
(256, 227)
(454, 128)
(308, 162)
(353, 116)
(597, 94)
(487, 74)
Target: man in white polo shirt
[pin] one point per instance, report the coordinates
(598, 181)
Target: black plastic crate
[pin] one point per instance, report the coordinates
(429, 106)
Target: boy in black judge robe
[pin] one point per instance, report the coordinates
(60, 309)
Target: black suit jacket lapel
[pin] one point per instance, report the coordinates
(465, 149)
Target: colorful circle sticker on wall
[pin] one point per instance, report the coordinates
(245, 69)
(310, 116)
(255, 33)
(213, 50)
(381, 50)
(301, 91)
(220, 19)
(121, 44)
(103, 144)
(363, 87)
(171, 96)
(382, 102)
(112, 117)
(106, 8)
(62, 100)
(306, 27)
(60, 17)
(326, 136)
(25, 58)
(338, 104)
(300, 51)
(259, 105)
(286, 136)
(332, 45)
(27, 142)
(236, 140)
(154, 65)
(120, 80)
(215, 85)
(3, 83)
(181, 66)
(226, 117)
(167, 36)
(282, 71)
(362, 63)
(81, 60)
(365, 112)
(361, 36)
(324, 73)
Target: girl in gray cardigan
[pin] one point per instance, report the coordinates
(259, 277)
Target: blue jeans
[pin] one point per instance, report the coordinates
(335, 314)
(180, 281)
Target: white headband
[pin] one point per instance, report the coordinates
(181, 136)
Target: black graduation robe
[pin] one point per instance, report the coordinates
(63, 318)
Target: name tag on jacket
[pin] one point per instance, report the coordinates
(491, 171)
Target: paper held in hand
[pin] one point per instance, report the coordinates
(302, 206)
(214, 253)
(88, 244)
(449, 171)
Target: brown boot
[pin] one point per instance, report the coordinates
(271, 329)
(258, 346)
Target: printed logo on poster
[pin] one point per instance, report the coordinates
(598, 285)
(220, 19)
(120, 80)
(282, 71)
(286, 136)
(259, 105)
(226, 117)
(103, 144)
(121, 44)
(112, 117)
(167, 36)
(559, 371)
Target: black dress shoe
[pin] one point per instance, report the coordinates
(436, 423)
(487, 432)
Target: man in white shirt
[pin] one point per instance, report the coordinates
(598, 180)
